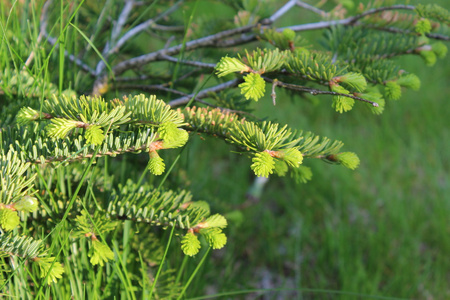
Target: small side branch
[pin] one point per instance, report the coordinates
(189, 63)
(315, 92)
(150, 88)
(279, 13)
(143, 26)
(348, 21)
(204, 93)
(311, 8)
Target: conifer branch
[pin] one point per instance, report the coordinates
(348, 21)
(218, 39)
(315, 92)
(435, 36)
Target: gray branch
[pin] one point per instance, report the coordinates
(189, 63)
(143, 26)
(204, 93)
(311, 8)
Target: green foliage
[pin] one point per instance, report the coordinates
(428, 56)
(316, 67)
(341, 103)
(302, 174)
(263, 164)
(439, 49)
(348, 159)
(265, 61)
(434, 11)
(14, 184)
(26, 204)
(112, 220)
(392, 90)
(190, 244)
(410, 81)
(100, 253)
(228, 65)
(94, 135)
(376, 97)
(156, 164)
(215, 237)
(354, 81)
(253, 86)
(423, 26)
(49, 268)
(8, 219)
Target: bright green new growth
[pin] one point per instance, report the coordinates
(94, 135)
(348, 159)
(410, 81)
(49, 268)
(265, 61)
(190, 244)
(291, 156)
(27, 204)
(59, 128)
(392, 90)
(228, 65)
(215, 237)
(263, 164)
(377, 98)
(341, 103)
(439, 49)
(423, 26)
(434, 11)
(253, 86)
(353, 80)
(156, 164)
(428, 56)
(100, 253)
(8, 219)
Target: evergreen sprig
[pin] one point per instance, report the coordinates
(253, 87)
(265, 61)
(15, 185)
(313, 66)
(30, 248)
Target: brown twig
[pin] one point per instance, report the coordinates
(315, 92)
